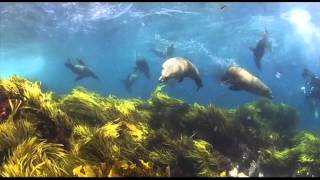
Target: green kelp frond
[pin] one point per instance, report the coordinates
(125, 107)
(128, 108)
(266, 124)
(305, 137)
(116, 141)
(14, 106)
(162, 155)
(281, 117)
(204, 120)
(278, 162)
(248, 115)
(110, 130)
(82, 134)
(87, 171)
(267, 115)
(302, 159)
(99, 170)
(37, 158)
(211, 163)
(121, 168)
(16, 87)
(12, 133)
(202, 146)
(85, 134)
(82, 105)
(138, 132)
(279, 155)
(189, 157)
(159, 97)
(307, 144)
(27, 101)
(104, 143)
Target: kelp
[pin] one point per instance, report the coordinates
(85, 134)
(38, 107)
(12, 134)
(307, 147)
(34, 158)
(300, 159)
(82, 105)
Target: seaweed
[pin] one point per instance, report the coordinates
(34, 157)
(85, 134)
(38, 107)
(82, 105)
(307, 147)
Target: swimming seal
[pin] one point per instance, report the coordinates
(240, 79)
(179, 68)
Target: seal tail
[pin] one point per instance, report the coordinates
(127, 85)
(94, 76)
(258, 64)
(199, 83)
(69, 65)
(136, 55)
(252, 49)
(158, 53)
(147, 74)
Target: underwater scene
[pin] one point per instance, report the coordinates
(159, 89)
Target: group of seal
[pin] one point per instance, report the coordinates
(141, 66)
(179, 68)
(238, 78)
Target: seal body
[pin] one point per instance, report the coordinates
(128, 82)
(142, 65)
(178, 68)
(81, 70)
(260, 49)
(240, 79)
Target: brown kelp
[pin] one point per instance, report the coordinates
(85, 134)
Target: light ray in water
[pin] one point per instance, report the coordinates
(301, 19)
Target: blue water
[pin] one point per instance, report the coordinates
(37, 38)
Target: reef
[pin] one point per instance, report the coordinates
(85, 134)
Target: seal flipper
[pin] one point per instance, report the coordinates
(127, 85)
(269, 46)
(170, 51)
(180, 79)
(94, 76)
(135, 69)
(235, 87)
(79, 78)
(147, 74)
(198, 82)
(157, 52)
(257, 61)
(81, 62)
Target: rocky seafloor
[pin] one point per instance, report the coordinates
(84, 134)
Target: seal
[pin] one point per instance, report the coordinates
(128, 82)
(80, 69)
(178, 68)
(142, 65)
(240, 79)
(165, 54)
(260, 49)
